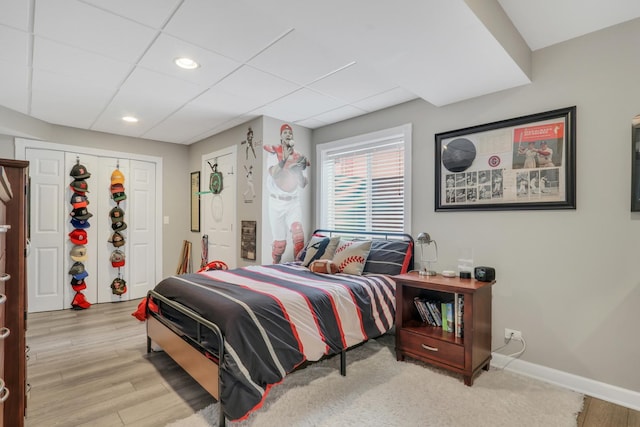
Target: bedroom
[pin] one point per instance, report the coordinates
(567, 279)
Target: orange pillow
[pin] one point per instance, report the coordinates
(324, 266)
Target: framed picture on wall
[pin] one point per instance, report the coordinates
(248, 240)
(195, 201)
(635, 165)
(526, 162)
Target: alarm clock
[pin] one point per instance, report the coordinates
(484, 274)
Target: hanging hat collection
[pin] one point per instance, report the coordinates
(118, 285)
(78, 236)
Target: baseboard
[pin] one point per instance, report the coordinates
(610, 393)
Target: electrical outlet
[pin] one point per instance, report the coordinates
(513, 334)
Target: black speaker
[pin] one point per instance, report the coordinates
(485, 274)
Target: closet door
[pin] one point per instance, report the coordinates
(142, 228)
(46, 259)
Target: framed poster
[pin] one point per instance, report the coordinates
(635, 166)
(527, 162)
(248, 240)
(195, 201)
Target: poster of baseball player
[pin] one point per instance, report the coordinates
(286, 178)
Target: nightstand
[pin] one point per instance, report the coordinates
(465, 354)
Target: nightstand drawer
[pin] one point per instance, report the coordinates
(432, 348)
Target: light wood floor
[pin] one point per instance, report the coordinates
(90, 368)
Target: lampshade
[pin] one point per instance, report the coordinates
(424, 240)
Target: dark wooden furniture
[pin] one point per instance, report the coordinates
(14, 350)
(465, 355)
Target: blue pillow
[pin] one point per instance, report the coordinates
(389, 257)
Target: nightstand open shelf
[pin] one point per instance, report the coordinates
(465, 354)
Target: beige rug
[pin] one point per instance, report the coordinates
(379, 391)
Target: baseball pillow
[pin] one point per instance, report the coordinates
(351, 255)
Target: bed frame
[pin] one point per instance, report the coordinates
(190, 354)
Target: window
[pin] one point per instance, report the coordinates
(364, 182)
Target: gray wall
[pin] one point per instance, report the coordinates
(567, 279)
(175, 194)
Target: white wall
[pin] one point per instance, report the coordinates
(569, 280)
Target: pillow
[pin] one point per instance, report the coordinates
(389, 257)
(324, 266)
(315, 249)
(331, 248)
(351, 255)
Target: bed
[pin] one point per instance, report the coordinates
(239, 332)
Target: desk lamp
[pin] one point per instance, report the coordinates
(423, 240)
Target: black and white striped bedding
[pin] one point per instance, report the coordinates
(275, 317)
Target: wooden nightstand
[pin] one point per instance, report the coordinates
(465, 354)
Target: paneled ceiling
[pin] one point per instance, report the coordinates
(88, 63)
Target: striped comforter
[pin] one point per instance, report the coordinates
(275, 317)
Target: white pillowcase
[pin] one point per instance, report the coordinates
(351, 255)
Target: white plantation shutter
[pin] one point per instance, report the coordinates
(364, 182)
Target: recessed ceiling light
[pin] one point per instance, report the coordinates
(130, 119)
(186, 63)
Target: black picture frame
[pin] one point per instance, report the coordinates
(195, 201)
(635, 167)
(248, 240)
(523, 163)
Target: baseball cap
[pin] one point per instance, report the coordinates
(79, 171)
(78, 201)
(116, 239)
(76, 268)
(80, 223)
(285, 126)
(117, 258)
(119, 226)
(79, 186)
(117, 177)
(118, 197)
(80, 302)
(81, 213)
(78, 237)
(116, 214)
(78, 253)
(117, 188)
(78, 285)
(118, 286)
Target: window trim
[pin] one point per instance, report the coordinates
(403, 131)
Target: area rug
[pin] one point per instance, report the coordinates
(380, 391)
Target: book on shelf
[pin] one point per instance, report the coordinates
(458, 314)
(435, 312)
(446, 308)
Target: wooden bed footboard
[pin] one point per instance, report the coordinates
(201, 368)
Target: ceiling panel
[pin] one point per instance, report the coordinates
(71, 61)
(213, 67)
(299, 59)
(67, 100)
(353, 83)
(14, 87)
(148, 95)
(94, 30)
(300, 105)
(15, 13)
(257, 85)
(153, 13)
(231, 28)
(14, 46)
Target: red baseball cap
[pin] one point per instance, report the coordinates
(78, 237)
(285, 126)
